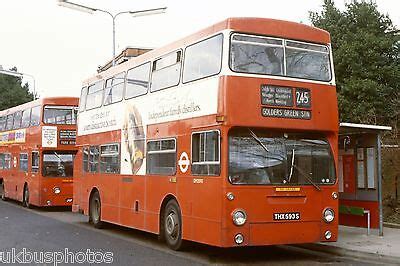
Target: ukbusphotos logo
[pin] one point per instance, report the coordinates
(26, 256)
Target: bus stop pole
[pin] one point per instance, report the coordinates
(379, 151)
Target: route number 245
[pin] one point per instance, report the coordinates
(303, 98)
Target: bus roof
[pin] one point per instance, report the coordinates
(42, 101)
(261, 26)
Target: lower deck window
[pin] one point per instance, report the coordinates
(35, 161)
(109, 159)
(5, 161)
(23, 162)
(205, 153)
(94, 159)
(161, 157)
(58, 164)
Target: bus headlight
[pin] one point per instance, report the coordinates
(239, 217)
(329, 215)
(56, 190)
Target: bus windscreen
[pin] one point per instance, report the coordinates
(262, 158)
(58, 164)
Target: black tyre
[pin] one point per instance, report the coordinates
(25, 197)
(172, 225)
(3, 192)
(95, 210)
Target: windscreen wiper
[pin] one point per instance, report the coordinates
(279, 158)
(291, 167)
(258, 140)
(59, 158)
(307, 177)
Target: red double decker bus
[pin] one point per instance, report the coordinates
(227, 137)
(37, 151)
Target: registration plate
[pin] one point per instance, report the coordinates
(287, 216)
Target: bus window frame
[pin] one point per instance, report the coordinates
(221, 59)
(12, 124)
(72, 107)
(82, 108)
(85, 170)
(148, 79)
(112, 86)
(323, 138)
(8, 155)
(163, 151)
(284, 57)
(34, 168)
(102, 94)
(40, 116)
(3, 121)
(29, 121)
(101, 155)
(97, 171)
(180, 69)
(205, 162)
(27, 162)
(16, 114)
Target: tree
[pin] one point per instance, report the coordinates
(12, 91)
(366, 48)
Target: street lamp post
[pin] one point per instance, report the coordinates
(91, 10)
(20, 74)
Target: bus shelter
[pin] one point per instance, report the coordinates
(360, 175)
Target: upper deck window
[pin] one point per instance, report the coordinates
(203, 59)
(272, 56)
(26, 118)
(60, 115)
(82, 99)
(137, 81)
(166, 71)
(3, 120)
(17, 120)
(10, 122)
(94, 96)
(114, 89)
(35, 116)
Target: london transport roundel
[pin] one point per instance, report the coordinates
(184, 162)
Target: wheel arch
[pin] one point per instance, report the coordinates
(166, 199)
(92, 191)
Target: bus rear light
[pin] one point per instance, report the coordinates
(48, 203)
(239, 239)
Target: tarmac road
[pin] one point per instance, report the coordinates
(49, 229)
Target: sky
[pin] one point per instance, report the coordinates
(61, 47)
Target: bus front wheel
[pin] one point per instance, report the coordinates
(173, 225)
(25, 198)
(95, 210)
